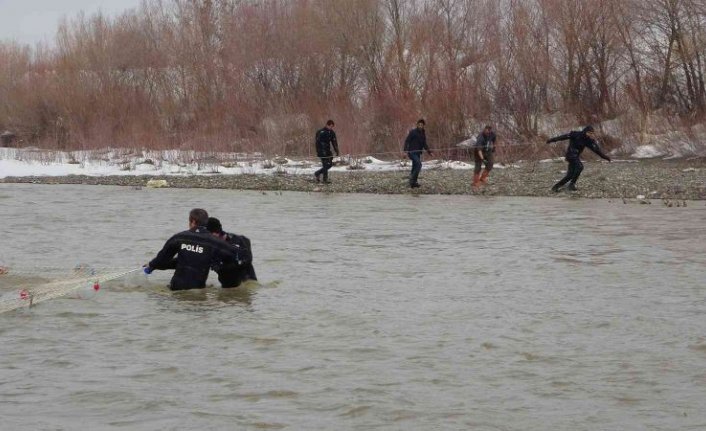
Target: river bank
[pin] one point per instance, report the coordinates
(653, 179)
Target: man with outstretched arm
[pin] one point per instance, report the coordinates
(196, 250)
(415, 143)
(577, 142)
(232, 274)
(325, 138)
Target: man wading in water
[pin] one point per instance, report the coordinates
(196, 250)
(232, 274)
(577, 142)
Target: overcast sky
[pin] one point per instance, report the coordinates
(31, 21)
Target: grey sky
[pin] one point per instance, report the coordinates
(32, 21)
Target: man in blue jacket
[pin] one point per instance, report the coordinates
(577, 142)
(415, 143)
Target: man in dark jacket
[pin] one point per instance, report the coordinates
(483, 151)
(232, 274)
(577, 142)
(196, 250)
(325, 138)
(415, 143)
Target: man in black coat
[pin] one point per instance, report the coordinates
(483, 150)
(325, 138)
(232, 274)
(577, 142)
(196, 250)
(415, 143)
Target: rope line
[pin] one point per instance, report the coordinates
(82, 276)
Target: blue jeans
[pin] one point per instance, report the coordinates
(416, 157)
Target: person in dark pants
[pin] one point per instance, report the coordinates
(483, 151)
(415, 143)
(577, 142)
(325, 138)
(196, 250)
(232, 274)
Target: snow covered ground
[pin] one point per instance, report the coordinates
(21, 162)
(25, 162)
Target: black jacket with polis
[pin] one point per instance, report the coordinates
(196, 250)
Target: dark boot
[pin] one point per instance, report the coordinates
(572, 187)
(556, 188)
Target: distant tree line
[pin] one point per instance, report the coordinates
(262, 75)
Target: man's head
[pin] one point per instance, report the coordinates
(487, 130)
(197, 217)
(590, 131)
(330, 124)
(421, 123)
(214, 226)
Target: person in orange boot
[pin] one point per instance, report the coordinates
(483, 150)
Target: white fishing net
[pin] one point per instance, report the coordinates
(28, 287)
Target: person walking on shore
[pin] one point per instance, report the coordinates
(325, 138)
(483, 150)
(577, 142)
(415, 143)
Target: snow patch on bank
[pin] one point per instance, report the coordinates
(25, 162)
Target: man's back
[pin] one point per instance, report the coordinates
(324, 139)
(231, 275)
(196, 250)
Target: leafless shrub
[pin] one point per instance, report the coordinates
(262, 75)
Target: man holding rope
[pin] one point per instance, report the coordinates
(415, 143)
(196, 250)
(233, 274)
(325, 138)
(483, 151)
(577, 142)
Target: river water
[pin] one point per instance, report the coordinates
(376, 312)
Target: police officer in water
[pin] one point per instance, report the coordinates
(196, 250)
(233, 274)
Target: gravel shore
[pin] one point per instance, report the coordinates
(681, 179)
